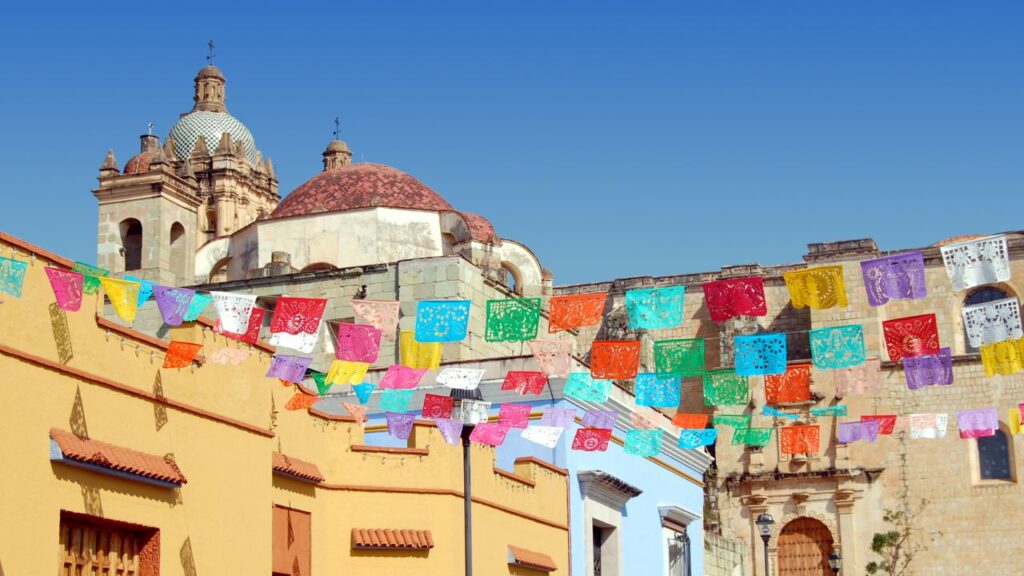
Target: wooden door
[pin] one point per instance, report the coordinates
(804, 546)
(89, 550)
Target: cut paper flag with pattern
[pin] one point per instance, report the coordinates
(289, 368)
(683, 357)
(252, 331)
(396, 400)
(646, 420)
(661, 390)
(1014, 417)
(461, 378)
(401, 377)
(554, 357)
(655, 308)
(886, 422)
(233, 311)
(421, 355)
(838, 347)
(381, 314)
(525, 382)
(197, 306)
(124, 297)
(582, 386)
(301, 401)
(863, 431)
(320, 379)
(67, 288)
(345, 372)
(772, 412)
(233, 356)
(734, 421)
(794, 385)
(692, 439)
(357, 343)
(436, 406)
(356, 411)
(181, 354)
(489, 434)
(514, 415)
(442, 320)
(735, 297)
(472, 411)
(451, 430)
(819, 288)
(1003, 358)
(839, 410)
(512, 320)
(896, 277)
(546, 436)
(975, 262)
(643, 442)
(145, 288)
(760, 354)
(929, 370)
(911, 336)
(691, 421)
(804, 439)
(399, 425)
(558, 417)
(978, 423)
(992, 322)
(92, 276)
(598, 418)
(863, 380)
(614, 359)
(363, 391)
(928, 426)
(752, 436)
(296, 322)
(591, 439)
(725, 388)
(173, 303)
(575, 311)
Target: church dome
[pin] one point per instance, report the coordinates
(210, 125)
(139, 164)
(356, 186)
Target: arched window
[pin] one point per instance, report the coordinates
(981, 296)
(513, 278)
(219, 272)
(131, 243)
(178, 249)
(211, 221)
(994, 459)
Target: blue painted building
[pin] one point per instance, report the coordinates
(629, 515)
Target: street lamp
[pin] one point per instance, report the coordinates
(835, 561)
(471, 409)
(764, 526)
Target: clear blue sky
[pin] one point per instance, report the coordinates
(615, 139)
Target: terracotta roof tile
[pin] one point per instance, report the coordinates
(126, 460)
(480, 228)
(375, 538)
(530, 559)
(298, 468)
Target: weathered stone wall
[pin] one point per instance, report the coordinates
(724, 556)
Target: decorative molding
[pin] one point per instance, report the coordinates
(605, 488)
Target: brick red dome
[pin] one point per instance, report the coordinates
(362, 185)
(139, 163)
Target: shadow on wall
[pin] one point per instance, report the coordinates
(188, 562)
(364, 553)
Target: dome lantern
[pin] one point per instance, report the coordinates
(209, 96)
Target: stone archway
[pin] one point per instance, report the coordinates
(804, 546)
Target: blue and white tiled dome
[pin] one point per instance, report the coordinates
(211, 125)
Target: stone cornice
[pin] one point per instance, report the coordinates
(607, 489)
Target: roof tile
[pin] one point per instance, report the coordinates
(530, 559)
(295, 467)
(88, 451)
(371, 538)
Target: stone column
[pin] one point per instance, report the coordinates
(845, 500)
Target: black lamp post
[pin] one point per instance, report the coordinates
(764, 526)
(835, 561)
(470, 418)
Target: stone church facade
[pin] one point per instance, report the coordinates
(835, 499)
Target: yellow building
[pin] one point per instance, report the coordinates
(114, 465)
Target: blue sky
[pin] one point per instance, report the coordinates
(613, 139)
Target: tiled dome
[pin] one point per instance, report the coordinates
(362, 185)
(211, 125)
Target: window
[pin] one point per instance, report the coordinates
(178, 250)
(512, 278)
(981, 296)
(678, 554)
(131, 243)
(95, 546)
(994, 457)
(603, 541)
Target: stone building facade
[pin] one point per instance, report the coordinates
(836, 498)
